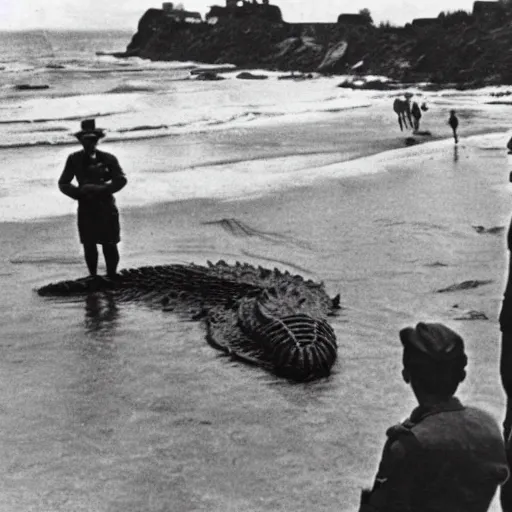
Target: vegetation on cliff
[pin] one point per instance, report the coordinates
(457, 47)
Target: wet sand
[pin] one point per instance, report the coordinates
(119, 407)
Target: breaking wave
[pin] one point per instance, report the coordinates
(125, 125)
(50, 119)
(127, 88)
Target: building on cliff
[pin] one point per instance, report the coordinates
(180, 14)
(425, 22)
(354, 19)
(244, 9)
(487, 9)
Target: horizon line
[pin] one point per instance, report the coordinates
(66, 29)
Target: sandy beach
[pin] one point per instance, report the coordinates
(118, 407)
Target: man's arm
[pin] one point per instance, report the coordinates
(65, 185)
(118, 177)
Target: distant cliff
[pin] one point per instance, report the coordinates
(453, 48)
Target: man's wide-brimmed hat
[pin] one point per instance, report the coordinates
(435, 341)
(88, 129)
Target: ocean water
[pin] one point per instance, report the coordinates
(132, 98)
(138, 100)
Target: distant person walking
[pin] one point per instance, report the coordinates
(99, 176)
(416, 115)
(453, 121)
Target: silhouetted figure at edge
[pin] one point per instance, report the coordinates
(416, 116)
(453, 121)
(505, 320)
(99, 176)
(445, 456)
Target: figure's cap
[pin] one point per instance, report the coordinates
(88, 129)
(436, 341)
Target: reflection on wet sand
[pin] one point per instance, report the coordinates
(94, 405)
(101, 314)
(455, 153)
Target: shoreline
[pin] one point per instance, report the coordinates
(335, 140)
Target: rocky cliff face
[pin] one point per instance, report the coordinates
(466, 53)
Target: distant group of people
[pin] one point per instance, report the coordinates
(413, 114)
(407, 113)
(446, 456)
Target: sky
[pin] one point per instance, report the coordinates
(125, 14)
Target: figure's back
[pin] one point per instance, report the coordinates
(461, 461)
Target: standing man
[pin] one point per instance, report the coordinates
(99, 177)
(453, 121)
(446, 456)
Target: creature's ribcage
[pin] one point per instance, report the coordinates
(300, 347)
(289, 323)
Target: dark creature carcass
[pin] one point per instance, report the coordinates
(269, 318)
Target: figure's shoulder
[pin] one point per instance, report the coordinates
(76, 155)
(399, 430)
(480, 415)
(401, 438)
(401, 446)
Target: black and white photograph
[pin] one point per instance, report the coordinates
(256, 256)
